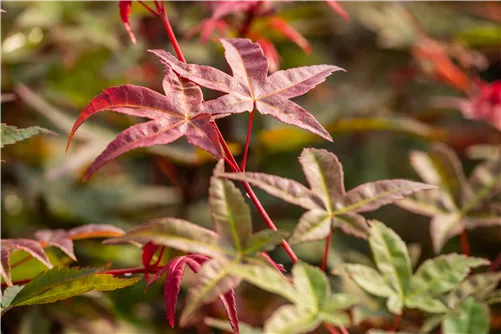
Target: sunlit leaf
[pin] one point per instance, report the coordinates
(369, 280)
(62, 283)
(250, 86)
(213, 279)
(312, 286)
(291, 319)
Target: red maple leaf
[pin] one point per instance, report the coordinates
(176, 114)
(250, 86)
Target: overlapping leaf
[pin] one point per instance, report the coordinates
(233, 244)
(394, 280)
(31, 246)
(459, 203)
(11, 134)
(250, 86)
(310, 293)
(328, 203)
(471, 317)
(62, 283)
(173, 115)
(58, 238)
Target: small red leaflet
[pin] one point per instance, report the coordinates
(175, 270)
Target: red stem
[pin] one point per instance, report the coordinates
(326, 251)
(496, 263)
(170, 33)
(229, 156)
(247, 140)
(465, 245)
(331, 328)
(397, 322)
(254, 198)
(149, 8)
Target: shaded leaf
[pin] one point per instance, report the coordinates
(313, 225)
(479, 286)
(266, 278)
(391, 257)
(312, 286)
(291, 319)
(288, 190)
(369, 280)
(250, 86)
(442, 274)
(229, 213)
(226, 326)
(440, 166)
(12, 134)
(62, 283)
(9, 294)
(57, 238)
(94, 231)
(213, 279)
(176, 233)
(30, 246)
(264, 241)
(426, 303)
(471, 317)
(444, 227)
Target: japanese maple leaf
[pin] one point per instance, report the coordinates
(329, 204)
(459, 203)
(250, 86)
(173, 115)
(175, 270)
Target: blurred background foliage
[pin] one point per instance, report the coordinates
(56, 56)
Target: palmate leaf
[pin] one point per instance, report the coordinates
(426, 289)
(12, 134)
(250, 86)
(471, 317)
(31, 246)
(459, 203)
(311, 295)
(329, 204)
(57, 238)
(229, 212)
(173, 115)
(62, 283)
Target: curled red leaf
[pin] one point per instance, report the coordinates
(124, 7)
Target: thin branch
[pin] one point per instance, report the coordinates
(170, 33)
(465, 245)
(326, 251)
(397, 322)
(247, 140)
(149, 8)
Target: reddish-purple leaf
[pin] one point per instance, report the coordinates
(173, 115)
(175, 270)
(30, 246)
(94, 231)
(124, 7)
(230, 305)
(148, 251)
(289, 32)
(271, 53)
(58, 238)
(250, 84)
